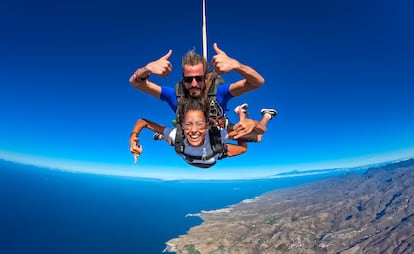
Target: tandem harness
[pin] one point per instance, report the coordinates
(217, 121)
(217, 146)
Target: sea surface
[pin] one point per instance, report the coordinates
(50, 211)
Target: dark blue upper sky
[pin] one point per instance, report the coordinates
(340, 74)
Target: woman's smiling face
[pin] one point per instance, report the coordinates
(195, 126)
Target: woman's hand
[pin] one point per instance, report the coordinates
(134, 148)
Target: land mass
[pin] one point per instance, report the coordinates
(354, 213)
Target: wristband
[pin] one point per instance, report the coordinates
(144, 78)
(141, 79)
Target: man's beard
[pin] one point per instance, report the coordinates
(195, 93)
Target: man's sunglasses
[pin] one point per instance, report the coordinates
(189, 79)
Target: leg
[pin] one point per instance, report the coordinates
(267, 114)
(241, 111)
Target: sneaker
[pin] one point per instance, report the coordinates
(158, 136)
(269, 111)
(242, 107)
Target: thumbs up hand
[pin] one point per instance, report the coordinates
(161, 67)
(222, 63)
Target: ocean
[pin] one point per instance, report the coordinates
(49, 211)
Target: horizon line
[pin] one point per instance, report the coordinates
(148, 173)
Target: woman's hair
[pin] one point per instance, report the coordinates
(187, 104)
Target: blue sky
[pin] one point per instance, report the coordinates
(340, 74)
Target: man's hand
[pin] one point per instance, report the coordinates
(161, 67)
(223, 63)
(134, 148)
(244, 127)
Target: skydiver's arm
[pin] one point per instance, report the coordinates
(224, 64)
(234, 150)
(134, 148)
(161, 67)
(146, 86)
(144, 123)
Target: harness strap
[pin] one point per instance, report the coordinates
(179, 140)
(215, 140)
(217, 118)
(201, 158)
(203, 165)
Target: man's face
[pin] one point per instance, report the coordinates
(194, 79)
(195, 126)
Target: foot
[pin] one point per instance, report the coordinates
(243, 107)
(269, 112)
(158, 136)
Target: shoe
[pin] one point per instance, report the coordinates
(271, 112)
(158, 136)
(243, 107)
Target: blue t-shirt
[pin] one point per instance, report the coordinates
(223, 96)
